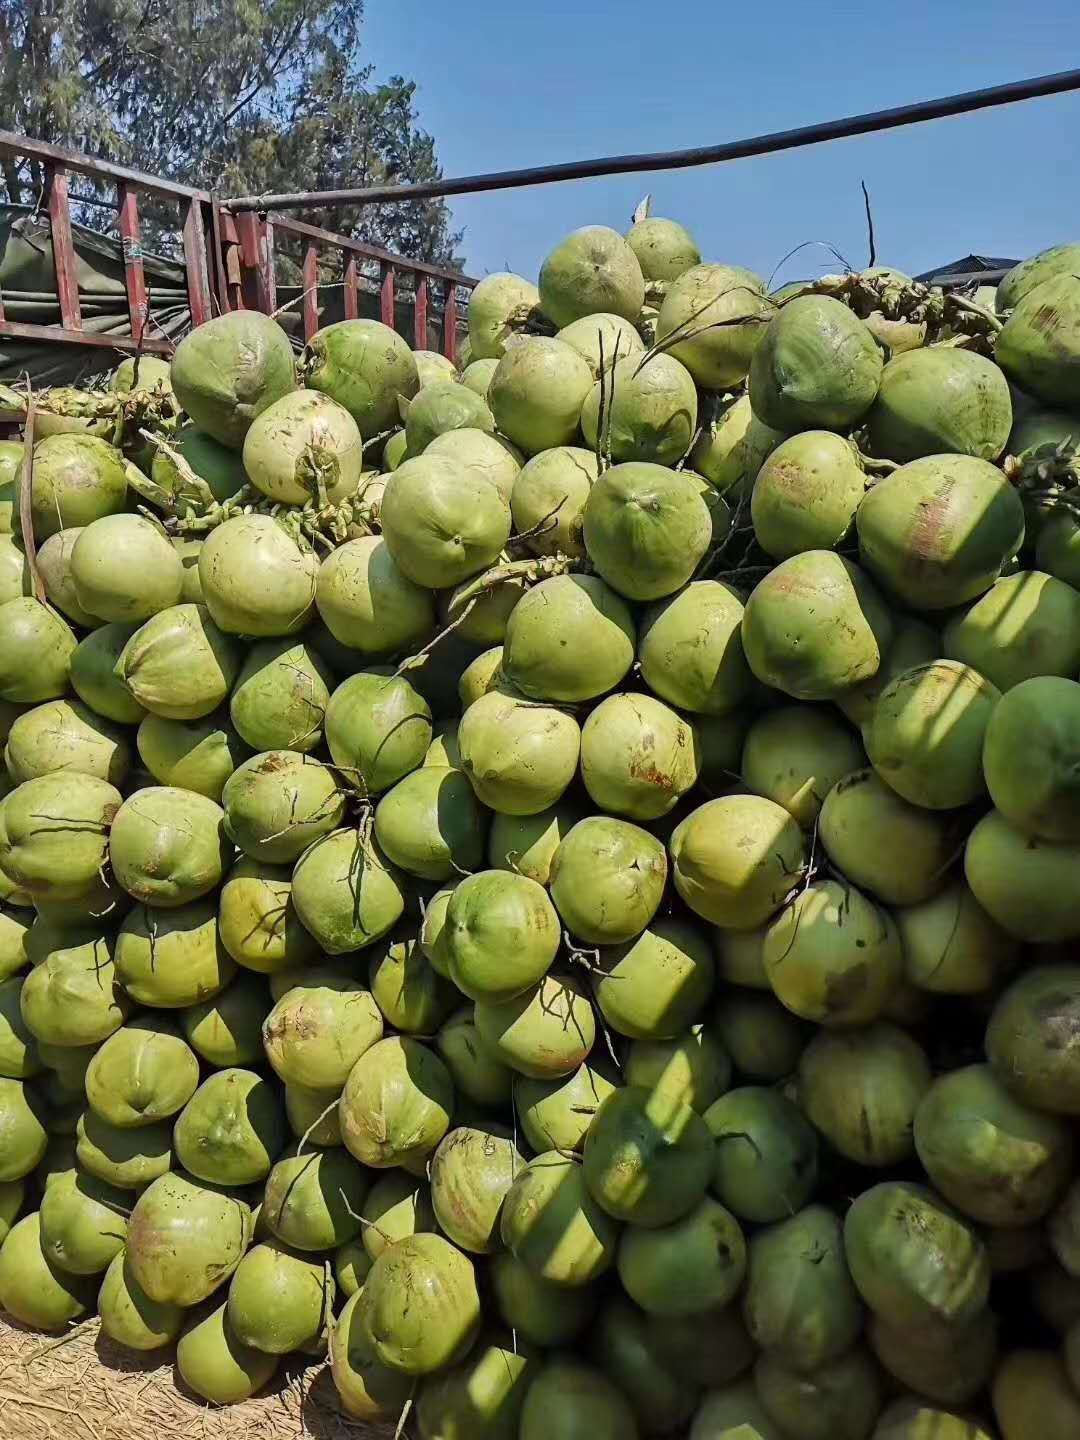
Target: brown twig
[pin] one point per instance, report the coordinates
(26, 514)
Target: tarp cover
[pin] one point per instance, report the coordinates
(28, 288)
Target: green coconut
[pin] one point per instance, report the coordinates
(189, 550)
(213, 1361)
(1030, 757)
(978, 526)
(15, 579)
(864, 825)
(996, 1160)
(537, 393)
(313, 1115)
(54, 569)
(143, 1074)
(603, 340)
(647, 1159)
(1024, 277)
(22, 1128)
(441, 523)
(315, 1033)
(395, 451)
(558, 1113)
(36, 648)
(14, 932)
(948, 1363)
(434, 368)
(655, 986)
(129, 1316)
(795, 754)
(692, 1069)
(552, 1224)
(368, 603)
(11, 458)
(179, 665)
(19, 1058)
(638, 758)
(815, 626)
(231, 1130)
(607, 880)
(231, 369)
(94, 679)
(481, 1397)
(806, 494)
(712, 319)
(732, 446)
(519, 755)
(913, 644)
(303, 449)
(645, 528)
(548, 499)
(913, 1259)
(481, 456)
(440, 408)
(735, 859)
(693, 1265)
(800, 1304)
(168, 846)
(926, 736)
(951, 946)
(502, 935)
(1022, 882)
(364, 366)
(73, 995)
(367, 1389)
(1057, 543)
(220, 466)
(77, 479)
(411, 994)
(280, 696)
(378, 728)
(1039, 344)
(124, 569)
(862, 1088)
(691, 649)
(278, 1301)
(592, 271)
(313, 1198)
(419, 1307)
(277, 803)
(172, 957)
(1025, 625)
(1033, 1387)
(431, 825)
(185, 1237)
(256, 579)
(471, 1173)
(477, 1074)
(642, 409)
(763, 1039)
(1023, 1038)
(197, 755)
(127, 1158)
(397, 1205)
(572, 1401)
(83, 1223)
(396, 1104)
(479, 677)
(526, 844)
(33, 1289)
(257, 922)
(664, 248)
(626, 1350)
(541, 667)
(917, 1420)
(351, 1266)
(940, 400)
(840, 1400)
(537, 1309)
(66, 736)
(500, 306)
(833, 956)
(546, 1032)
(766, 1156)
(54, 834)
(443, 752)
(346, 893)
(477, 376)
(817, 367)
(226, 1028)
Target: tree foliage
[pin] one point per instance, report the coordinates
(231, 95)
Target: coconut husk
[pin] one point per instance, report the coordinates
(82, 1386)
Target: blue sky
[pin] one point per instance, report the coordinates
(510, 84)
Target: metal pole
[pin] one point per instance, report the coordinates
(779, 140)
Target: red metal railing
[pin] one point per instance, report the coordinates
(229, 260)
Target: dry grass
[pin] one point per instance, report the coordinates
(81, 1386)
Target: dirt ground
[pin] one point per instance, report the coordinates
(80, 1386)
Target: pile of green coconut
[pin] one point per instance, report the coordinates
(552, 886)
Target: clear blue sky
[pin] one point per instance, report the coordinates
(510, 83)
